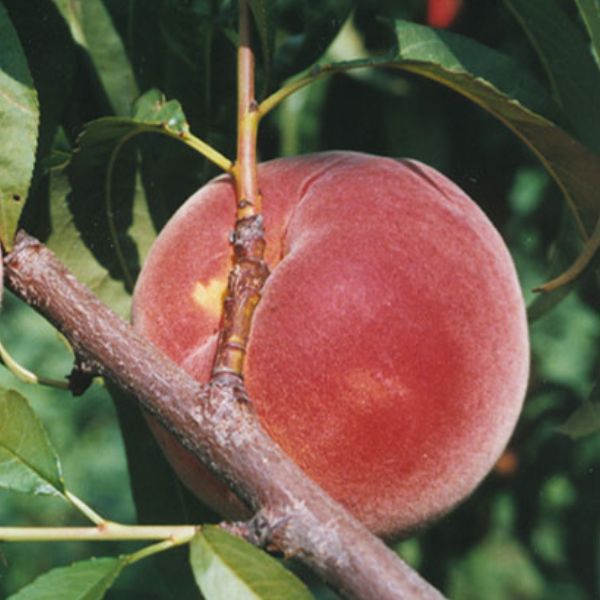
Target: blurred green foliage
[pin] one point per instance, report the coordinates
(85, 434)
(532, 530)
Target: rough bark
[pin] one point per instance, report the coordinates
(217, 423)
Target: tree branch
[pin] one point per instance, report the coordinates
(217, 423)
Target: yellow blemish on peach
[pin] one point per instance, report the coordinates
(209, 296)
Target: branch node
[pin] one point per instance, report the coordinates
(235, 345)
(244, 203)
(226, 379)
(82, 375)
(222, 375)
(260, 530)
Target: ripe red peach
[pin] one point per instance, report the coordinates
(442, 13)
(389, 353)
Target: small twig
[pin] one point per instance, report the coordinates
(85, 510)
(314, 74)
(245, 173)
(103, 533)
(205, 149)
(173, 541)
(27, 376)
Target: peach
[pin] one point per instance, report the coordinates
(388, 355)
(442, 13)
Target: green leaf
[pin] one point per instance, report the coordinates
(182, 48)
(153, 109)
(489, 78)
(103, 228)
(321, 21)
(590, 13)
(92, 28)
(263, 11)
(19, 117)
(28, 462)
(67, 242)
(52, 65)
(1, 276)
(501, 566)
(228, 567)
(586, 419)
(179, 47)
(576, 270)
(570, 67)
(84, 580)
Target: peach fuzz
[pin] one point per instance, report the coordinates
(389, 354)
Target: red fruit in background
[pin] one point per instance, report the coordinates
(389, 353)
(442, 13)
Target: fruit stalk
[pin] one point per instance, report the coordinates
(249, 270)
(296, 516)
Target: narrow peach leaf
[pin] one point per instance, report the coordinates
(92, 27)
(565, 55)
(19, 119)
(498, 85)
(590, 15)
(264, 13)
(107, 201)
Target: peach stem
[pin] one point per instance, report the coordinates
(249, 270)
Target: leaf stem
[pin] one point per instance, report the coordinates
(173, 534)
(205, 149)
(189, 139)
(26, 376)
(276, 98)
(315, 73)
(178, 539)
(110, 215)
(84, 509)
(576, 270)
